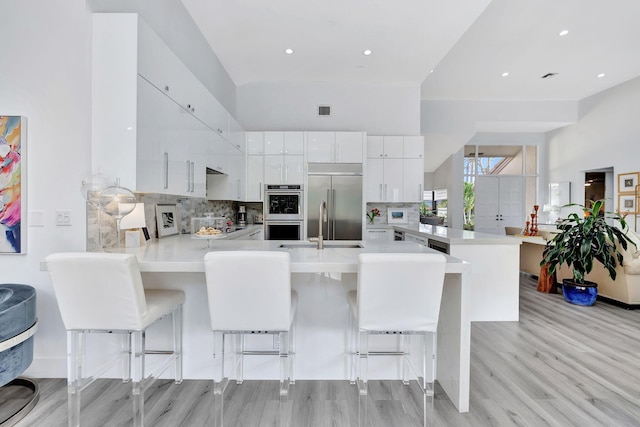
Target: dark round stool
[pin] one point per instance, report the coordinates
(18, 324)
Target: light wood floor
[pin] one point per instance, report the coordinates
(561, 365)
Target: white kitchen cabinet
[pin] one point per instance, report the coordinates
(391, 147)
(284, 143)
(414, 238)
(163, 69)
(230, 184)
(379, 234)
(236, 175)
(255, 143)
(348, 148)
(335, 147)
(384, 180)
(413, 180)
(413, 147)
(237, 135)
(255, 178)
(320, 147)
(145, 130)
(283, 169)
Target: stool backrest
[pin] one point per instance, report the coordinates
(248, 290)
(98, 290)
(400, 291)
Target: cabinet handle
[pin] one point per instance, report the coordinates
(193, 177)
(286, 173)
(380, 154)
(385, 192)
(420, 195)
(188, 176)
(380, 192)
(166, 88)
(337, 152)
(259, 191)
(419, 155)
(165, 167)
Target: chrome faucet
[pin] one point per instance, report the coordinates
(322, 218)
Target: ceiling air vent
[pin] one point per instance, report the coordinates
(549, 75)
(324, 110)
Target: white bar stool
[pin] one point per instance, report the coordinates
(250, 292)
(103, 293)
(397, 294)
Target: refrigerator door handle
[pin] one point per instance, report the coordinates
(333, 215)
(329, 214)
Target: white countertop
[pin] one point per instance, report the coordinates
(455, 236)
(181, 253)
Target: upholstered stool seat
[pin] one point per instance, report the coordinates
(250, 292)
(397, 294)
(18, 325)
(104, 293)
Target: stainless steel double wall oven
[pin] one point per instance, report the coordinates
(283, 212)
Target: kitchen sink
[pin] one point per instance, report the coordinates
(326, 244)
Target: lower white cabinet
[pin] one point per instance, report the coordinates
(417, 239)
(255, 178)
(381, 234)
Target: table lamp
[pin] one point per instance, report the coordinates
(133, 222)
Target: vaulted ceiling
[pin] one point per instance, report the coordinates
(454, 49)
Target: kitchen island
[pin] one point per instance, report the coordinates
(322, 279)
(495, 260)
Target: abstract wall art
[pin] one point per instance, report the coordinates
(12, 180)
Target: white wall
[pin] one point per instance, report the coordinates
(607, 135)
(45, 65)
(375, 109)
(448, 125)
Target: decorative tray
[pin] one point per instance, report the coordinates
(208, 236)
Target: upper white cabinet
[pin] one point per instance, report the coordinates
(163, 69)
(154, 125)
(237, 135)
(335, 147)
(413, 147)
(389, 147)
(255, 143)
(284, 143)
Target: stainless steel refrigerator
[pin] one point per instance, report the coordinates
(340, 185)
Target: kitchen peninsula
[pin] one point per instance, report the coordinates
(494, 278)
(322, 279)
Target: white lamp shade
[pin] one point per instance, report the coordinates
(135, 219)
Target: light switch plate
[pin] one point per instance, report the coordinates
(63, 217)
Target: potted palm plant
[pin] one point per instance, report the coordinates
(581, 240)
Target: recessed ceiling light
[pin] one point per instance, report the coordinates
(563, 33)
(288, 51)
(601, 75)
(367, 52)
(505, 74)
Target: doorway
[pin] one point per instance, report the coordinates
(598, 184)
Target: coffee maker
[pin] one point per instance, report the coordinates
(242, 217)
